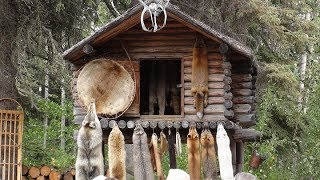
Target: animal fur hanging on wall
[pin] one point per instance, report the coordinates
(193, 145)
(163, 144)
(224, 153)
(199, 78)
(156, 156)
(208, 155)
(141, 155)
(116, 154)
(89, 163)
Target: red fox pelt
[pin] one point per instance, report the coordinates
(193, 145)
(199, 78)
(89, 163)
(208, 155)
(116, 154)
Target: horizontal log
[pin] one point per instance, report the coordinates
(211, 57)
(227, 87)
(211, 63)
(212, 93)
(227, 80)
(211, 118)
(209, 110)
(241, 85)
(242, 108)
(241, 77)
(229, 114)
(211, 70)
(211, 77)
(228, 104)
(79, 111)
(227, 72)
(158, 43)
(247, 135)
(242, 92)
(246, 120)
(243, 100)
(211, 100)
(211, 85)
(227, 95)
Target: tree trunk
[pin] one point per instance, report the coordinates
(63, 118)
(46, 96)
(8, 33)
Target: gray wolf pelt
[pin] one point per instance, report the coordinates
(89, 163)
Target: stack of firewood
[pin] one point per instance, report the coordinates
(45, 172)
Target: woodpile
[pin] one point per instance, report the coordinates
(46, 173)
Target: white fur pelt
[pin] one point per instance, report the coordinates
(245, 176)
(89, 163)
(177, 174)
(101, 177)
(224, 153)
(141, 156)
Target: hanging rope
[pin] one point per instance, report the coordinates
(155, 9)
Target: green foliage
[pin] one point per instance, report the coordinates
(33, 151)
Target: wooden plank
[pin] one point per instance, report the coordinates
(211, 100)
(240, 156)
(182, 90)
(154, 37)
(212, 93)
(242, 108)
(211, 85)
(210, 109)
(211, 77)
(211, 57)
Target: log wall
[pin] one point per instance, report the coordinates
(231, 76)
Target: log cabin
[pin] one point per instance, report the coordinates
(166, 56)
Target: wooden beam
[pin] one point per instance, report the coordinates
(247, 135)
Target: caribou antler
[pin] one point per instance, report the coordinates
(154, 9)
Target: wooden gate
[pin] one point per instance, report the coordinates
(11, 123)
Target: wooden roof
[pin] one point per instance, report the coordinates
(132, 17)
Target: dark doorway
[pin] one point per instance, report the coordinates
(159, 91)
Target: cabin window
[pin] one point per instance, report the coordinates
(160, 87)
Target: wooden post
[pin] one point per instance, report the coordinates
(172, 151)
(240, 156)
(234, 154)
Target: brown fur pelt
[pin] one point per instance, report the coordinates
(208, 155)
(116, 154)
(163, 144)
(141, 155)
(193, 145)
(156, 156)
(199, 78)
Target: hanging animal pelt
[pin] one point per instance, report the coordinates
(141, 155)
(178, 143)
(163, 144)
(193, 145)
(208, 155)
(224, 153)
(89, 163)
(156, 156)
(116, 154)
(199, 78)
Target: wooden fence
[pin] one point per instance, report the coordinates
(11, 126)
